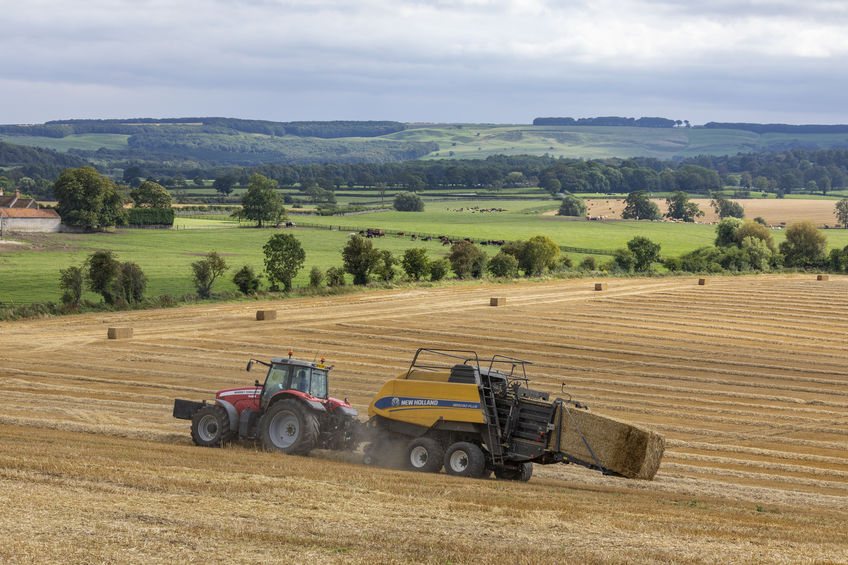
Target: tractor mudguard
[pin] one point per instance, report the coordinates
(232, 413)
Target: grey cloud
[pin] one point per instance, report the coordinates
(475, 60)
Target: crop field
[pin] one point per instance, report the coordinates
(819, 211)
(744, 376)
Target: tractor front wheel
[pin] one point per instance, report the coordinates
(465, 459)
(210, 426)
(425, 454)
(290, 427)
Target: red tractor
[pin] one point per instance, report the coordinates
(290, 412)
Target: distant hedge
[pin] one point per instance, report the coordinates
(151, 216)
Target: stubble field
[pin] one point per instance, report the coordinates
(774, 211)
(744, 376)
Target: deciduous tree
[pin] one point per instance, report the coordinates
(637, 206)
(804, 246)
(681, 208)
(151, 194)
(415, 263)
(284, 257)
(360, 258)
(572, 206)
(467, 260)
(206, 271)
(842, 212)
(261, 203)
(89, 200)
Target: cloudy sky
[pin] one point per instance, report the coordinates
(501, 61)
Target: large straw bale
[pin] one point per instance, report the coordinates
(822, 278)
(119, 333)
(632, 452)
(600, 286)
(266, 315)
(497, 301)
(702, 282)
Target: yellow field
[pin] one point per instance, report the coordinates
(775, 212)
(744, 376)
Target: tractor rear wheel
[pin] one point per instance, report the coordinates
(465, 459)
(290, 427)
(210, 426)
(425, 454)
(523, 473)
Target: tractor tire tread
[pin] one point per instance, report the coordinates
(223, 421)
(310, 428)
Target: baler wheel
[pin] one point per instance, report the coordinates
(425, 454)
(465, 459)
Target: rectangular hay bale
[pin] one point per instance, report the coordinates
(500, 301)
(119, 333)
(266, 315)
(822, 278)
(600, 286)
(632, 452)
(702, 282)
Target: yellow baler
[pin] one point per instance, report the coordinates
(449, 410)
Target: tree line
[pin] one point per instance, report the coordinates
(781, 173)
(133, 126)
(778, 128)
(644, 122)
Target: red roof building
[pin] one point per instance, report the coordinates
(23, 215)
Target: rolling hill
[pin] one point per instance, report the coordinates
(210, 142)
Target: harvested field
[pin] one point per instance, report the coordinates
(744, 377)
(773, 211)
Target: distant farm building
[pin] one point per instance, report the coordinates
(19, 214)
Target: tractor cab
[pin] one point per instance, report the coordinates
(294, 375)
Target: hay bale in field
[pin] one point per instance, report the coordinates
(119, 333)
(266, 315)
(822, 278)
(600, 286)
(632, 452)
(702, 282)
(500, 301)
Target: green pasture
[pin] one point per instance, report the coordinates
(87, 141)
(31, 274)
(522, 220)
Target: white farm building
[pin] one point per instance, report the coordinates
(23, 215)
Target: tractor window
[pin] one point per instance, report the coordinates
(275, 381)
(318, 387)
(300, 379)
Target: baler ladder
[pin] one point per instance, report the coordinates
(490, 407)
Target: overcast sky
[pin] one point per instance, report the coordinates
(500, 61)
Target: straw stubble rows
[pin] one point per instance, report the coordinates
(745, 377)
